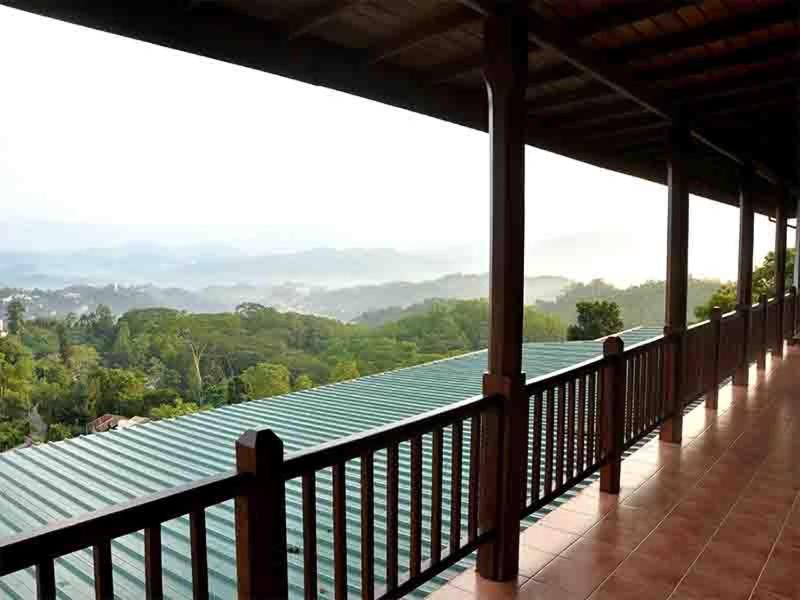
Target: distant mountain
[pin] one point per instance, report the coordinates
(197, 267)
(351, 303)
(639, 304)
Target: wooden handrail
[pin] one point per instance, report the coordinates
(353, 446)
(64, 537)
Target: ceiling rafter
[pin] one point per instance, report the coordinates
(558, 39)
(422, 31)
(307, 22)
(587, 26)
(715, 31)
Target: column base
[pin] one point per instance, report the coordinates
(672, 430)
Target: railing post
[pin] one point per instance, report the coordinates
(761, 361)
(744, 279)
(793, 312)
(780, 274)
(261, 567)
(712, 395)
(612, 414)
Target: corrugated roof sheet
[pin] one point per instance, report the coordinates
(50, 482)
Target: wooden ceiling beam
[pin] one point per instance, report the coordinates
(595, 93)
(586, 26)
(713, 32)
(421, 32)
(557, 39)
(307, 22)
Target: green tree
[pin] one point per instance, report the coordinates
(121, 349)
(538, 326)
(16, 316)
(237, 390)
(179, 408)
(13, 433)
(595, 319)
(303, 382)
(345, 370)
(724, 297)
(264, 380)
(116, 391)
(57, 432)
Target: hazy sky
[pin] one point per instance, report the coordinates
(104, 130)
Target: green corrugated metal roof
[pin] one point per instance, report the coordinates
(50, 482)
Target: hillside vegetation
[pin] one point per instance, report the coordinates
(162, 362)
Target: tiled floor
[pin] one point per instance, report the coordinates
(715, 518)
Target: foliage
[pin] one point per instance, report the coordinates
(57, 432)
(345, 370)
(595, 320)
(264, 380)
(16, 316)
(179, 408)
(304, 382)
(13, 433)
(763, 284)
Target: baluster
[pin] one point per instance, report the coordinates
(592, 425)
(310, 535)
(152, 563)
(199, 553)
(536, 453)
(45, 579)
(415, 559)
(367, 527)
(641, 370)
(339, 531)
(548, 446)
(630, 405)
(392, 462)
(103, 572)
(560, 431)
(455, 492)
(581, 400)
(437, 451)
(570, 429)
(474, 476)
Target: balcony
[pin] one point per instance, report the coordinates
(704, 106)
(717, 517)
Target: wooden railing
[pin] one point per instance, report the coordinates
(439, 459)
(580, 420)
(564, 433)
(98, 530)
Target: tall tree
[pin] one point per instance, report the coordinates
(595, 320)
(16, 316)
(265, 380)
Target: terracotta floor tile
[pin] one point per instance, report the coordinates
(652, 569)
(481, 588)
(546, 539)
(531, 560)
(536, 590)
(613, 533)
(578, 578)
(450, 592)
(569, 521)
(590, 504)
(619, 588)
(595, 551)
(711, 584)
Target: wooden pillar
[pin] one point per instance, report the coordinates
(677, 281)
(761, 360)
(612, 414)
(261, 566)
(780, 273)
(712, 396)
(744, 281)
(504, 443)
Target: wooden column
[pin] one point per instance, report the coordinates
(744, 281)
(503, 445)
(612, 414)
(761, 360)
(677, 281)
(261, 566)
(780, 273)
(712, 396)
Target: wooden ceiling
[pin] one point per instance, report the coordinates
(607, 77)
